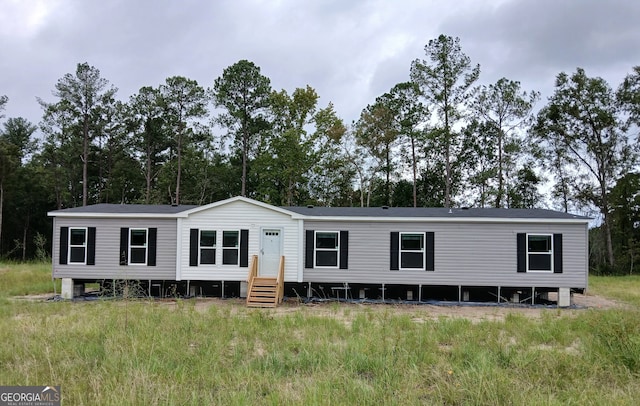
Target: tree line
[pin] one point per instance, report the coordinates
(436, 140)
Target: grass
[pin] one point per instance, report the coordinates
(623, 288)
(151, 352)
(30, 278)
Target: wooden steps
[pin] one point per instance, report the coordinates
(263, 292)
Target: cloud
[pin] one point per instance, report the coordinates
(349, 51)
(535, 40)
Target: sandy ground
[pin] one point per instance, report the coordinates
(419, 313)
(424, 312)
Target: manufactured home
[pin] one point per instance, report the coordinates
(244, 248)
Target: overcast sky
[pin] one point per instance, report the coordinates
(350, 51)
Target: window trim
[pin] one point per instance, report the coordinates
(423, 250)
(237, 248)
(206, 247)
(85, 245)
(146, 246)
(316, 249)
(551, 253)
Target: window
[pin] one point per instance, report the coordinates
(230, 247)
(539, 252)
(207, 247)
(77, 245)
(326, 249)
(203, 247)
(327, 245)
(138, 246)
(412, 251)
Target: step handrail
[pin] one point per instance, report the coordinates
(253, 273)
(280, 281)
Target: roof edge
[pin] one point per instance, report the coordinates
(115, 215)
(188, 210)
(450, 219)
(234, 199)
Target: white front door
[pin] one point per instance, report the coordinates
(270, 252)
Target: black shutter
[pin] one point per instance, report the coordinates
(124, 246)
(64, 245)
(91, 246)
(522, 252)
(344, 250)
(193, 247)
(244, 248)
(308, 249)
(429, 244)
(557, 253)
(151, 247)
(395, 251)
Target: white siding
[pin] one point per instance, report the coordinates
(108, 250)
(472, 254)
(239, 215)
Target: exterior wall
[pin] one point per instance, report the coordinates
(471, 254)
(236, 216)
(108, 250)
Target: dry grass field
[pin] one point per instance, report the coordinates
(212, 351)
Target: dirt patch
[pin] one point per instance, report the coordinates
(34, 298)
(419, 313)
(593, 301)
